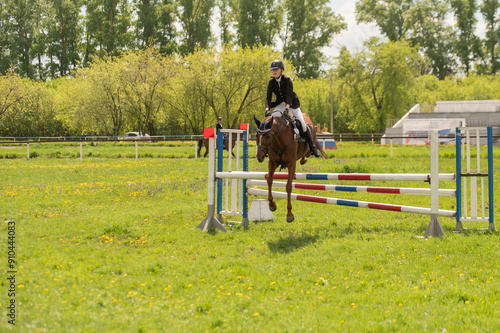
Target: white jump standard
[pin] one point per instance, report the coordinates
(246, 179)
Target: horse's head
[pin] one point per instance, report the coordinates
(263, 137)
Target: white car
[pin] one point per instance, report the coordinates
(135, 136)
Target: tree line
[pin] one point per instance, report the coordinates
(160, 94)
(45, 39)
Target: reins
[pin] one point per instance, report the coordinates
(280, 151)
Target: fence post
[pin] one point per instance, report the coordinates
(81, 151)
(391, 148)
(136, 151)
(28, 150)
(195, 148)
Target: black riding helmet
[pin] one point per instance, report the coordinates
(277, 64)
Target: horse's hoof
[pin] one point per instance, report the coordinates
(290, 218)
(273, 208)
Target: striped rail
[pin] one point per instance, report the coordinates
(353, 203)
(336, 176)
(359, 189)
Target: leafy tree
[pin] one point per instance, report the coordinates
(5, 62)
(147, 22)
(20, 27)
(94, 101)
(230, 84)
(458, 88)
(375, 83)
(12, 91)
(195, 22)
(108, 28)
(34, 115)
(26, 108)
(113, 96)
(155, 25)
(311, 25)
(257, 21)
(389, 15)
(186, 107)
(39, 47)
(490, 10)
(427, 28)
(166, 34)
(468, 45)
(63, 36)
(314, 95)
(226, 21)
(146, 78)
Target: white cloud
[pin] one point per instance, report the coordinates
(355, 34)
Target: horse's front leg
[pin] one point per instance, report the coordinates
(291, 174)
(272, 204)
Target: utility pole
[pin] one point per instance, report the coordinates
(331, 104)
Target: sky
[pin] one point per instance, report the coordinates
(355, 34)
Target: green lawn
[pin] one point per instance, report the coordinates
(110, 244)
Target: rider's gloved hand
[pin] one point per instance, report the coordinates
(285, 113)
(267, 113)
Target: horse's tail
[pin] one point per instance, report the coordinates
(321, 150)
(200, 143)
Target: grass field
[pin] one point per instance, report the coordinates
(110, 244)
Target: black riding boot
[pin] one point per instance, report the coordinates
(309, 139)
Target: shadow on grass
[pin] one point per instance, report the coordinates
(292, 243)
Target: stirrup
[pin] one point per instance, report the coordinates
(315, 151)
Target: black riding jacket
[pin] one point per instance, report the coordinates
(283, 91)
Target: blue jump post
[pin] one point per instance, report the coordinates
(458, 160)
(491, 226)
(245, 222)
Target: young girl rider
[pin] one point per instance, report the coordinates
(286, 100)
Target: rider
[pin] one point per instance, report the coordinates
(286, 100)
(219, 125)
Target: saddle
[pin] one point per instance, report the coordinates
(297, 128)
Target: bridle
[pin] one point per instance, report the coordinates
(265, 149)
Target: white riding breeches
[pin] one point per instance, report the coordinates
(278, 110)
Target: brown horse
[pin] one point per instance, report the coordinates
(276, 139)
(204, 142)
